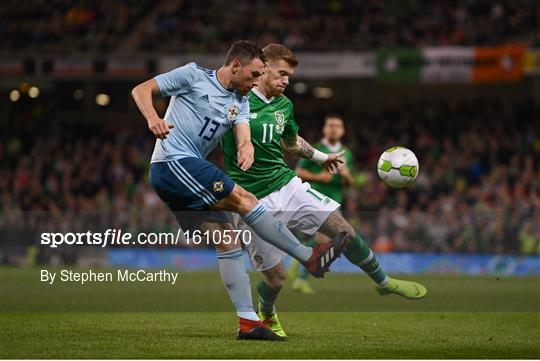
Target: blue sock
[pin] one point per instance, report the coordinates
(276, 233)
(236, 280)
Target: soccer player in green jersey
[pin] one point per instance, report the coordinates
(331, 185)
(301, 208)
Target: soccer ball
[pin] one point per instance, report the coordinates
(398, 167)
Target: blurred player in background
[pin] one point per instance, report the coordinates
(320, 179)
(303, 209)
(204, 105)
(331, 185)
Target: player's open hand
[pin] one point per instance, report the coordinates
(160, 128)
(245, 156)
(334, 161)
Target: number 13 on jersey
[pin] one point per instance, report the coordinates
(211, 131)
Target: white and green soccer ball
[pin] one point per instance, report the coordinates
(398, 167)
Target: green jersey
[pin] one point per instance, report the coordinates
(334, 189)
(270, 120)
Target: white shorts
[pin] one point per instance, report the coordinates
(300, 207)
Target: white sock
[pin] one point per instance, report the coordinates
(250, 315)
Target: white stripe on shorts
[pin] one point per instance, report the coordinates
(190, 186)
(196, 182)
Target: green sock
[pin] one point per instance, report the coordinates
(361, 255)
(267, 297)
(310, 243)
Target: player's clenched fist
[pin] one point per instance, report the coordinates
(160, 128)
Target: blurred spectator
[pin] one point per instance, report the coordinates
(65, 26)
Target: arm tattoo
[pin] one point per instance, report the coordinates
(298, 146)
(305, 149)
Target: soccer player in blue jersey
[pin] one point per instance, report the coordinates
(204, 105)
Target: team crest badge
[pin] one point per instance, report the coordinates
(258, 259)
(280, 120)
(218, 186)
(232, 113)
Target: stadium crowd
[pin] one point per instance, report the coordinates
(79, 26)
(67, 26)
(478, 188)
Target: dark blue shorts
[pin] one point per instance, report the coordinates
(189, 185)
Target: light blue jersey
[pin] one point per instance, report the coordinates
(201, 109)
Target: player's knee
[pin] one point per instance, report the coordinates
(336, 224)
(249, 201)
(244, 200)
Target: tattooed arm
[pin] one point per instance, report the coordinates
(301, 148)
(298, 146)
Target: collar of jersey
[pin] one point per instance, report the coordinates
(221, 85)
(261, 96)
(332, 148)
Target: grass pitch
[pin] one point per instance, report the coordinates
(462, 317)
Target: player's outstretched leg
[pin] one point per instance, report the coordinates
(317, 260)
(359, 253)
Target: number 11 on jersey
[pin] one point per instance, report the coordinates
(270, 132)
